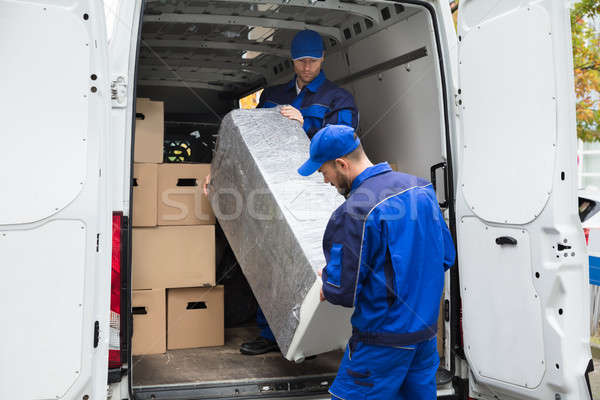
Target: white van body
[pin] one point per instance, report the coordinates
(494, 102)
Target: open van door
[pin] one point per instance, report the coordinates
(523, 264)
(55, 224)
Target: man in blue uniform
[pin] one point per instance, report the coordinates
(310, 98)
(314, 102)
(387, 248)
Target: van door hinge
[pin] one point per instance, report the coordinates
(97, 242)
(118, 92)
(96, 333)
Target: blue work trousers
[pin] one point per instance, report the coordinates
(386, 373)
(262, 323)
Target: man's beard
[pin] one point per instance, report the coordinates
(345, 185)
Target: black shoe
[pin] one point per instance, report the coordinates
(260, 346)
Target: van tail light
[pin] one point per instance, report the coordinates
(586, 231)
(114, 346)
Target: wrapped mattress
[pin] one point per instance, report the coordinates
(274, 220)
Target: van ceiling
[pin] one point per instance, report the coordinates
(236, 46)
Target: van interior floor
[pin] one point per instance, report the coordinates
(226, 363)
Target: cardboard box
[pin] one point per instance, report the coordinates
(181, 200)
(195, 317)
(145, 189)
(149, 321)
(173, 256)
(149, 131)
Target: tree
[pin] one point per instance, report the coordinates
(586, 63)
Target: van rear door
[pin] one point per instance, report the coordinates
(55, 236)
(523, 265)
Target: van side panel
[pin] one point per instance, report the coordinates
(55, 240)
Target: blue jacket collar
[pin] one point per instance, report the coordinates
(368, 173)
(313, 86)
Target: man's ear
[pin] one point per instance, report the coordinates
(342, 163)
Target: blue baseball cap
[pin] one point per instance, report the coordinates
(331, 142)
(307, 43)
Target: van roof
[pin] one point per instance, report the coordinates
(238, 45)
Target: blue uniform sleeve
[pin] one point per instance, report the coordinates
(347, 266)
(265, 99)
(343, 110)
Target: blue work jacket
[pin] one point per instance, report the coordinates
(387, 248)
(321, 102)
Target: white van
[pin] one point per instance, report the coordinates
(489, 109)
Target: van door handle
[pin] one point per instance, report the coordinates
(434, 168)
(508, 240)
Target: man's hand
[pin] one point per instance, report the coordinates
(292, 113)
(205, 184)
(321, 295)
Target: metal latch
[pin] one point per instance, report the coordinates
(118, 92)
(458, 102)
(562, 247)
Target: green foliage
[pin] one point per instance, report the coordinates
(586, 62)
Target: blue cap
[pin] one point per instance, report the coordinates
(307, 43)
(331, 142)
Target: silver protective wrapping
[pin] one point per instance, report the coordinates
(273, 218)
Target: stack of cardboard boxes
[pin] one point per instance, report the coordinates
(175, 301)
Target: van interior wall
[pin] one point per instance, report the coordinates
(400, 109)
